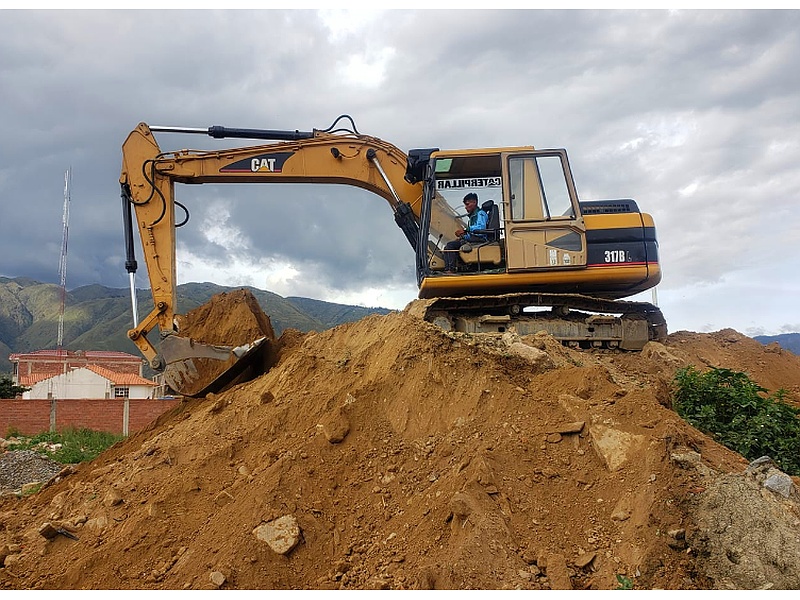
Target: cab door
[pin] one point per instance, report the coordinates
(544, 228)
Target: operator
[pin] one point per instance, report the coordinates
(477, 221)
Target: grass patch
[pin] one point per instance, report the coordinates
(32, 490)
(740, 414)
(624, 582)
(70, 446)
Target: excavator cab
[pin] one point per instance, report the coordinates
(535, 218)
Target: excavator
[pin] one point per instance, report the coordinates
(545, 261)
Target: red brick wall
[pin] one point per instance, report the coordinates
(144, 412)
(100, 415)
(30, 417)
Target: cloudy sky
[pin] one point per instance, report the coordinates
(695, 114)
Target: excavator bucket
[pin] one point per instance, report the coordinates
(196, 369)
(225, 341)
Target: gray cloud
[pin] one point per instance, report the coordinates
(692, 113)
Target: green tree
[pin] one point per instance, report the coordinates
(8, 389)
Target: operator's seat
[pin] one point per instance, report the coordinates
(492, 231)
(488, 254)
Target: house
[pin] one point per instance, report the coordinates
(90, 381)
(31, 367)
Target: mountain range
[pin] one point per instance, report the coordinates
(787, 341)
(98, 317)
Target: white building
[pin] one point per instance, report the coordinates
(91, 381)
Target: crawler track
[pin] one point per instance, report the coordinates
(574, 319)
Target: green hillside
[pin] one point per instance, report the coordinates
(98, 318)
(331, 314)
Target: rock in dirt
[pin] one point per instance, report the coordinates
(585, 559)
(568, 428)
(766, 472)
(614, 446)
(4, 552)
(48, 531)
(218, 578)
(335, 426)
(780, 483)
(557, 572)
(282, 535)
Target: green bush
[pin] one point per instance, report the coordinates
(740, 414)
(77, 445)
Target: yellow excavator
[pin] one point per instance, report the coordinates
(545, 261)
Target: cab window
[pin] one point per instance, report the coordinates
(539, 188)
(456, 176)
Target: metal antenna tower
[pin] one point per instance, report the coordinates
(62, 265)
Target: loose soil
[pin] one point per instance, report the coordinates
(401, 456)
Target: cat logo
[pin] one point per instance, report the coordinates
(263, 163)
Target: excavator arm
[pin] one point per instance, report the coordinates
(148, 181)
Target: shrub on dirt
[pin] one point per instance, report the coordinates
(740, 414)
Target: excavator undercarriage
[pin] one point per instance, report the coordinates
(575, 320)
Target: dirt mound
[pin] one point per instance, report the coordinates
(232, 320)
(390, 454)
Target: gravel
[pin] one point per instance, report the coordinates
(25, 466)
